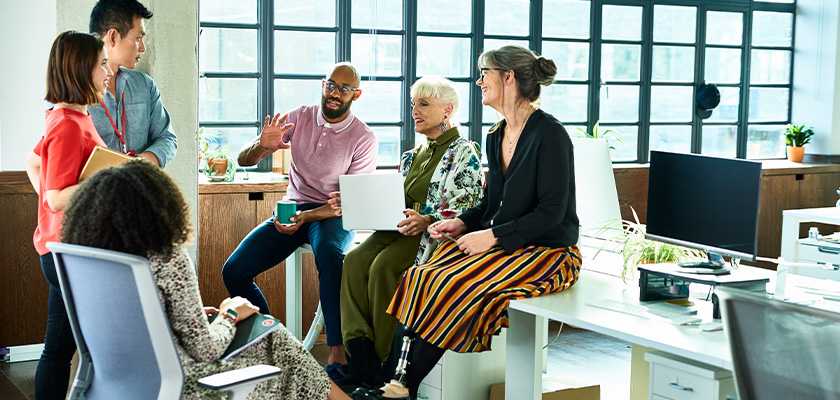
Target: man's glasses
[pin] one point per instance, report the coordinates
(343, 90)
(483, 71)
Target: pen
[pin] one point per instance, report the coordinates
(443, 234)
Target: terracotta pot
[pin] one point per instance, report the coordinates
(795, 154)
(218, 167)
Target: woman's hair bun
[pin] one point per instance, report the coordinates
(545, 70)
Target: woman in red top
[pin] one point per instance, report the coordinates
(77, 74)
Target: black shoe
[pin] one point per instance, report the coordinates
(364, 366)
(373, 394)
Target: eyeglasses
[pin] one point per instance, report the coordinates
(483, 71)
(329, 87)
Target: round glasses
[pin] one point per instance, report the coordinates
(329, 87)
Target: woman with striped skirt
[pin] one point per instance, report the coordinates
(518, 242)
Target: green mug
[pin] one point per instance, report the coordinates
(284, 210)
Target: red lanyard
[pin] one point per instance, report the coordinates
(119, 135)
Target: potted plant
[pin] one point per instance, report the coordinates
(220, 166)
(796, 137)
(596, 133)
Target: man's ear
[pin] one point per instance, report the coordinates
(356, 94)
(111, 37)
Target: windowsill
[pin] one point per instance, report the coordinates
(242, 183)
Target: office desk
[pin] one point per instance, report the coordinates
(524, 353)
(790, 226)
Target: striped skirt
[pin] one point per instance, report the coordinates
(458, 302)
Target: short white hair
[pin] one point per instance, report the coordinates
(440, 88)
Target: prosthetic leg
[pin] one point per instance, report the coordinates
(396, 388)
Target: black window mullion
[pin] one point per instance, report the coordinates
(343, 21)
(645, 82)
(409, 72)
(535, 27)
(699, 73)
(595, 20)
(746, 59)
(265, 81)
(476, 47)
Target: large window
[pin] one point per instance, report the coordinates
(633, 65)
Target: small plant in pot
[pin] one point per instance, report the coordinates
(796, 137)
(597, 133)
(220, 166)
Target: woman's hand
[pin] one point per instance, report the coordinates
(208, 311)
(413, 224)
(451, 227)
(241, 305)
(477, 242)
(335, 202)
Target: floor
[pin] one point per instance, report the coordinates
(588, 356)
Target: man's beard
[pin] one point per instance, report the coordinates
(329, 113)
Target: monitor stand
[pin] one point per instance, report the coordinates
(715, 261)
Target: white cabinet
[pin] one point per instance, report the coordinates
(466, 376)
(817, 251)
(677, 378)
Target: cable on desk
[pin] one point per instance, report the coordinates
(555, 338)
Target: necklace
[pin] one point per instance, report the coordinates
(513, 140)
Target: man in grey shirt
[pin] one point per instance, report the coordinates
(131, 117)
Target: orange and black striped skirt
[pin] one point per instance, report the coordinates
(458, 302)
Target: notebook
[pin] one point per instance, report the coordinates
(248, 332)
(101, 158)
(372, 201)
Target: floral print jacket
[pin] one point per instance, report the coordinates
(456, 185)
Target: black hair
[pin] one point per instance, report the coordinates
(116, 14)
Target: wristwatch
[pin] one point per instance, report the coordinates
(230, 314)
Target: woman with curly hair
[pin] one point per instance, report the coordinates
(77, 75)
(136, 208)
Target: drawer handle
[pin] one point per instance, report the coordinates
(828, 250)
(678, 387)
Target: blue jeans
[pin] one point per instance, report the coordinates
(265, 247)
(53, 371)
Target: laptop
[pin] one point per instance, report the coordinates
(372, 201)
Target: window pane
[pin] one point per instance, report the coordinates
(429, 12)
(674, 24)
(227, 99)
(380, 101)
(765, 141)
(304, 13)
(622, 22)
(377, 14)
(565, 10)
(228, 139)
(565, 102)
(727, 110)
(671, 103)
(506, 17)
(628, 150)
(303, 52)
(431, 51)
(620, 62)
(673, 64)
(724, 28)
(377, 54)
(572, 59)
(228, 11)
(292, 93)
(489, 115)
(484, 130)
(772, 28)
(231, 50)
(770, 66)
(768, 104)
(670, 138)
(723, 65)
(389, 145)
(490, 44)
(621, 105)
(463, 115)
(720, 141)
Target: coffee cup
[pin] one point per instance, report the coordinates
(284, 210)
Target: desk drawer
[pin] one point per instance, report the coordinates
(675, 384)
(812, 251)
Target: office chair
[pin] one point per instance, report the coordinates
(126, 347)
(781, 350)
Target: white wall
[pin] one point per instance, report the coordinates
(27, 29)
(816, 74)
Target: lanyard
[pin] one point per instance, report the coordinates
(119, 135)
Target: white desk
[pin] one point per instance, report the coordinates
(524, 352)
(790, 226)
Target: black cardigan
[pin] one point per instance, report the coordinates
(538, 189)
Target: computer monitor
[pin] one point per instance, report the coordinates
(705, 203)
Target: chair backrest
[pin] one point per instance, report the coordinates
(781, 350)
(595, 192)
(126, 346)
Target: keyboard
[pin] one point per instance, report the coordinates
(639, 310)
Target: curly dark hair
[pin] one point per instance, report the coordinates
(134, 208)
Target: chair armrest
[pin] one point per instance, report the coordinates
(230, 379)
